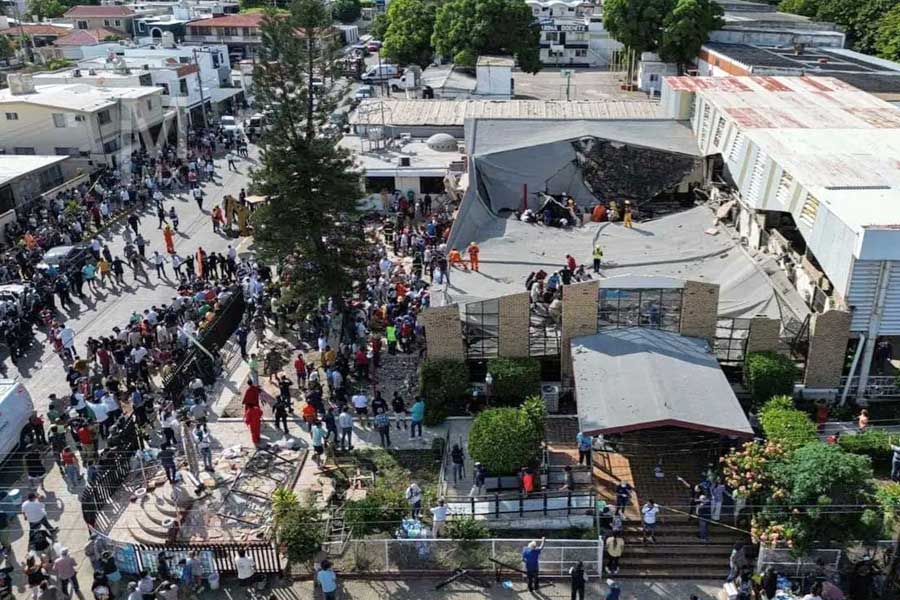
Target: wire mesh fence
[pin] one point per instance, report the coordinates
(445, 555)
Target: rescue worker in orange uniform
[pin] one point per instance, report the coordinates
(455, 258)
(473, 255)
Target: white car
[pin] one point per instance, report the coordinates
(230, 124)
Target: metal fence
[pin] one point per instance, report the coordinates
(114, 468)
(219, 558)
(426, 556)
(784, 562)
(498, 505)
(877, 386)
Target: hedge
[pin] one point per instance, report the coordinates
(515, 379)
(504, 440)
(768, 374)
(873, 443)
(445, 385)
(783, 423)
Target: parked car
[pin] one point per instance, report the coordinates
(363, 92)
(256, 125)
(373, 46)
(65, 258)
(230, 124)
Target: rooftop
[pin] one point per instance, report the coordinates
(240, 20)
(448, 77)
(455, 112)
(497, 61)
(78, 97)
(99, 11)
(87, 37)
(640, 378)
(14, 166)
(423, 160)
(38, 29)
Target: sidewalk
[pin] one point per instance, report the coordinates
(419, 589)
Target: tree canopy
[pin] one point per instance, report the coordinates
(45, 9)
(887, 36)
(466, 29)
(310, 226)
(346, 11)
(407, 39)
(638, 24)
(866, 22)
(686, 28)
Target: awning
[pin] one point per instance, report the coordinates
(406, 172)
(217, 95)
(639, 378)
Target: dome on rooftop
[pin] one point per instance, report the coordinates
(442, 142)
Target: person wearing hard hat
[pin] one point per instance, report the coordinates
(455, 259)
(473, 255)
(626, 220)
(598, 257)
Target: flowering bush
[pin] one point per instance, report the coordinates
(771, 533)
(748, 470)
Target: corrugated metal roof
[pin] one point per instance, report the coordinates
(450, 113)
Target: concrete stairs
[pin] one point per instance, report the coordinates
(156, 516)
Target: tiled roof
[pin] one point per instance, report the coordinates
(87, 37)
(37, 29)
(99, 11)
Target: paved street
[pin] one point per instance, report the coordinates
(95, 315)
(419, 589)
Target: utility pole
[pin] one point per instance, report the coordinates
(202, 99)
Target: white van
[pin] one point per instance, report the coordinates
(380, 73)
(15, 411)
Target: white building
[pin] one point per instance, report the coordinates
(821, 159)
(24, 178)
(565, 35)
(651, 71)
(96, 126)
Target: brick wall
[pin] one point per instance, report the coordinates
(514, 316)
(579, 317)
(764, 334)
(699, 310)
(443, 330)
(828, 333)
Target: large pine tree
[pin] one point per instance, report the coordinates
(311, 225)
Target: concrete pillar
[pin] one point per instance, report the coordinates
(579, 317)
(700, 310)
(514, 322)
(828, 335)
(764, 335)
(443, 331)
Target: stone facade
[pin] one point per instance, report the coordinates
(828, 334)
(699, 310)
(514, 321)
(764, 335)
(443, 330)
(579, 317)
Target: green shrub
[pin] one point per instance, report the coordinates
(515, 379)
(536, 410)
(466, 528)
(888, 497)
(874, 443)
(768, 374)
(786, 425)
(298, 528)
(504, 440)
(445, 385)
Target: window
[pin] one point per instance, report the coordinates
(247, 31)
(11, 116)
(110, 146)
(106, 22)
(103, 117)
(145, 80)
(82, 24)
(79, 118)
(50, 177)
(551, 36)
(59, 120)
(150, 104)
(23, 151)
(64, 151)
(656, 308)
(654, 77)
(580, 52)
(118, 23)
(481, 329)
(216, 60)
(183, 86)
(165, 87)
(185, 60)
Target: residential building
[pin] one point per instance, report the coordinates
(71, 44)
(24, 178)
(39, 34)
(651, 70)
(96, 126)
(117, 18)
(242, 33)
(565, 36)
(760, 24)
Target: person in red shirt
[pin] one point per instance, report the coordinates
(300, 368)
(362, 363)
(70, 465)
(253, 419)
(570, 262)
(86, 439)
(251, 396)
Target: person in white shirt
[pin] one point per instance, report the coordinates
(361, 404)
(246, 569)
(414, 499)
(36, 513)
(438, 518)
(649, 514)
(67, 338)
(345, 424)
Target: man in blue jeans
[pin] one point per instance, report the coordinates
(327, 579)
(531, 556)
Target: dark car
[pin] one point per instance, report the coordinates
(65, 258)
